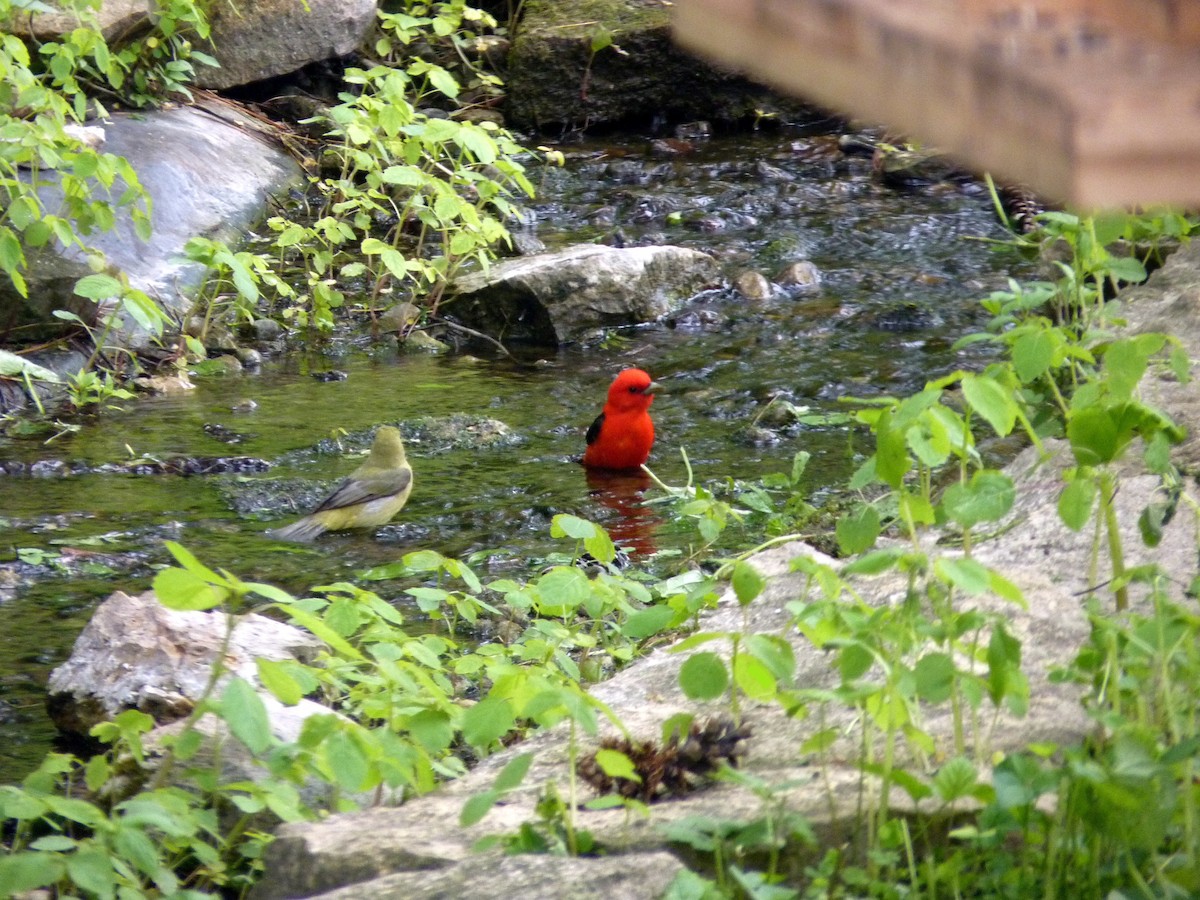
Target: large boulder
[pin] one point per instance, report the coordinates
(253, 41)
(556, 78)
(137, 654)
(114, 18)
(183, 159)
(558, 297)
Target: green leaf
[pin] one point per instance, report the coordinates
(346, 759)
(407, 176)
(991, 400)
(27, 871)
(616, 764)
(487, 721)
(92, 869)
(956, 780)
(753, 677)
(432, 729)
(859, 530)
(514, 772)
(988, 496)
(1077, 500)
(934, 677)
(276, 677)
(854, 660)
(703, 676)
(181, 590)
(747, 582)
(874, 562)
(646, 622)
(1033, 354)
(246, 715)
(443, 81)
(98, 287)
(562, 589)
(478, 806)
(965, 574)
(566, 525)
(17, 366)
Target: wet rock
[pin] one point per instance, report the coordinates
(422, 342)
(244, 406)
(225, 364)
(802, 274)
(214, 335)
(399, 317)
(906, 168)
(558, 297)
(182, 158)
(191, 465)
(525, 243)
(268, 330)
(461, 431)
(249, 357)
(330, 375)
(753, 286)
(555, 78)
(137, 654)
(224, 434)
(900, 318)
(275, 37)
(164, 384)
(114, 18)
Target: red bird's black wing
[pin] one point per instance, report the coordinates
(594, 431)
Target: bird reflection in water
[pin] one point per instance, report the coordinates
(629, 522)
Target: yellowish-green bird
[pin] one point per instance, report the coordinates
(368, 498)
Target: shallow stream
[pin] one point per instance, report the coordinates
(902, 273)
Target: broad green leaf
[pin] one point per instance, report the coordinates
(347, 761)
(276, 677)
(478, 806)
(182, 590)
(986, 497)
(487, 721)
(858, 531)
(991, 400)
(27, 871)
(17, 366)
(98, 287)
(747, 582)
(965, 574)
(616, 764)
(934, 677)
(955, 780)
(646, 622)
(246, 715)
(703, 676)
(1033, 354)
(514, 772)
(1078, 499)
(753, 677)
(775, 653)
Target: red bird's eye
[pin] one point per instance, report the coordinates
(633, 389)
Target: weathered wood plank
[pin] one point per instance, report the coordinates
(1091, 102)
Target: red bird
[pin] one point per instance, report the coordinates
(622, 435)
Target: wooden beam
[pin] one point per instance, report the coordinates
(1094, 103)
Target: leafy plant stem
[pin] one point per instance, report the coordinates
(1115, 550)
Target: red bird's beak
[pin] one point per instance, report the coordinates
(651, 388)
